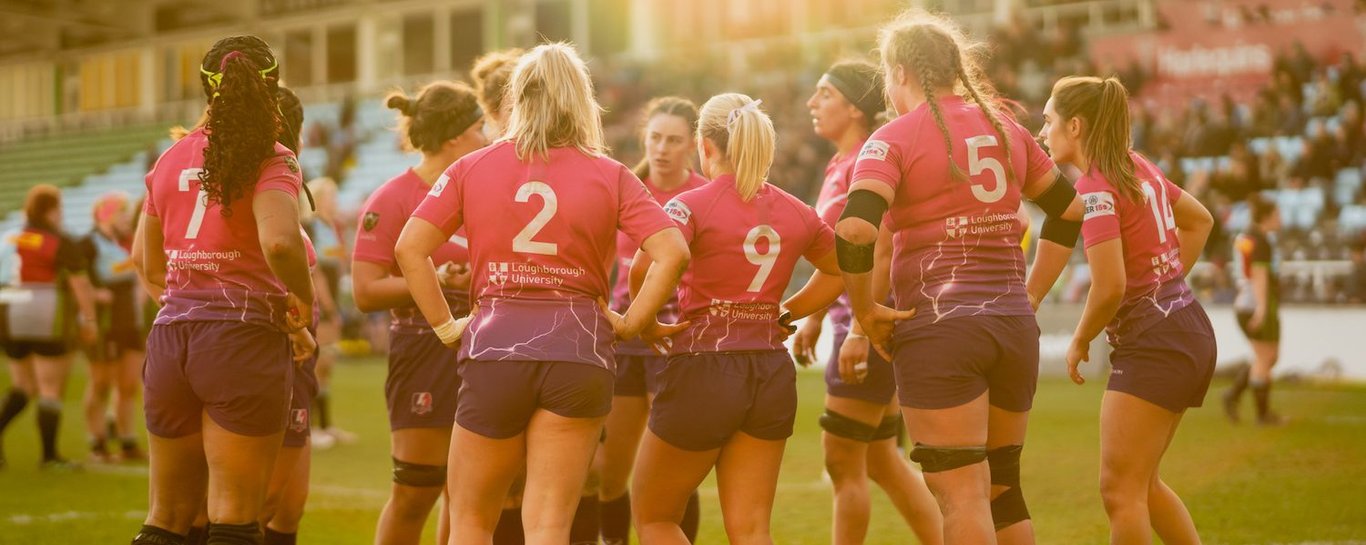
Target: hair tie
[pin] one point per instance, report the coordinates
(223, 64)
(752, 106)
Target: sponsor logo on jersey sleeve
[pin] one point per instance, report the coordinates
(292, 163)
(370, 220)
(1100, 203)
(440, 186)
(874, 149)
(678, 211)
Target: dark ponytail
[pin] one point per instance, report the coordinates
(291, 119)
(240, 76)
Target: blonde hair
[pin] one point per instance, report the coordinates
(490, 74)
(1103, 107)
(936, 52)
(744, 133)
(553, 104)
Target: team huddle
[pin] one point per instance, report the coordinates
(575, 344)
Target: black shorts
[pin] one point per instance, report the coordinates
(1270, 330)
(114, 344)
(18, 350)
(497, 399)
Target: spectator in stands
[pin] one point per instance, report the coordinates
(1292, 116)
(1356, 285)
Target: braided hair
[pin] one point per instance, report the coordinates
(239, 75)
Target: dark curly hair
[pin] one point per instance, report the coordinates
(291, 119)
(243, 119)
(442, 111)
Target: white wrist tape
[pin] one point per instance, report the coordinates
(447, 332)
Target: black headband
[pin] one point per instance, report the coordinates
(466, 121)
(859, 93)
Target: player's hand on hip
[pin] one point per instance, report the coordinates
(879, 323)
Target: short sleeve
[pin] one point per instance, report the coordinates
(680, 212)
(281, 173)
(377, 231)
(70, 256)
(444, 204)
(1101, 222)
(149, 206)
(879, 159)
(822, 236)
(638, 214)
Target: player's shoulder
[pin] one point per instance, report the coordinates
(683, 206)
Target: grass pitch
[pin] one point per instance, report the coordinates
(1303, 483)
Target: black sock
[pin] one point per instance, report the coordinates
(234, 534)
(49, 419)
(509, 530)
(1240, 380)
(199, 535)
(616, 520)
(324, 402)
(692, 517)
(586, 521)
(14, 404)
(128, 443)
(1261, 393)
(277, 538)
(97, 445)
(151, 535)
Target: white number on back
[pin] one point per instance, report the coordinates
(522, 243)
(1162, 212)
(201, 202)
(977, 164)
(765, 260)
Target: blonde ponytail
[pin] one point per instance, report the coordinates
(734, 123)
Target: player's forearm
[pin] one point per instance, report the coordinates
(382, 294)
(287, 259)
(1049, 262)
(1192, 246)
(84, 292)
(817, 295)
(1102, 302)
(661, 279)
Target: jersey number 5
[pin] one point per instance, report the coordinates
(765, 260)
(201, 202)
(523, 243)
(978, 164)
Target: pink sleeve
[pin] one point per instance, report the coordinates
(149, 206)
(822, 240)
(281, 173)
(681, 213)
(1101, 222)
(879, 160)
(638, 214)
(443, 204)
(377, 232)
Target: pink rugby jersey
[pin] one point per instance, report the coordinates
(626, 251)
(956, 243)
(542, 237)
(1156, 285)
(743, 254)
(215, 269)
(839, 173)
(382, 218)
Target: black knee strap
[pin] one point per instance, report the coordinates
(1005, 465)
(889, 428)
(1008, 508)
(418, 475)
(842, 426)
(937, 459)
(151, 535)
(235, 534)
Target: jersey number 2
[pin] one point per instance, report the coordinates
(523, 243)
(765, 260)
(201, 202)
